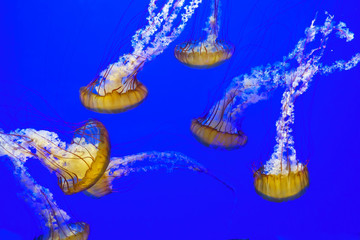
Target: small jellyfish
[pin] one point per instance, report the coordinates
(143, 162)
(78, 165)
(220, 127)
(212, 131)
(54, 220)
(207, 53)
(284, 177)
(117, 89)
(127, 94)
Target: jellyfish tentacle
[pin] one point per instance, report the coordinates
(123, 166)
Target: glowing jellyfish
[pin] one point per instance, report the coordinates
(54, 220)
(207, 53)
(283, 177)
(78, 165)
(143, 162)
(116, 89)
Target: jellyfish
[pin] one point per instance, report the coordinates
(283, 177)
(220, 126)
(117, 89)
(78, 165)
(54, 220)
(143, 162)
(207, 53)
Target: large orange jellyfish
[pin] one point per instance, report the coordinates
(207, 53)
(284, 177)
(116, 89)
(143, 162)
(78, 165)
(86, 159)
(54, 220)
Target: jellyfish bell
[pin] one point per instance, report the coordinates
(115, 90)
(114, 102)
(203, 54)
(218, 128)
(85, 161)
(72, 231)
(217, 134)
(282, 187)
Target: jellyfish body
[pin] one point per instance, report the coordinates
(281, 187)
(207, 53)
(284, 177)
(79, 174)
(116, 89)
(220, 127)
(78, 165)
(203, 54)
(114, 101)
(143, 162)
(217, 134)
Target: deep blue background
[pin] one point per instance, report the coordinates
(55, 47)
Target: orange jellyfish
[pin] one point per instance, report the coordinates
(78, 165)
(143, 162)
(283, 177)
(117, 89)
(85, 160)
(220, 127)
(207, 53)
(125, 95)
(217, 129)
(54, 220)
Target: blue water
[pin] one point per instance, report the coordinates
(55, 47)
